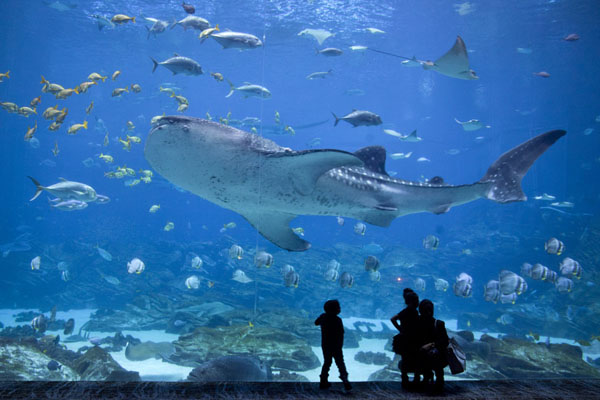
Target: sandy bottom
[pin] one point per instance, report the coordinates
(158, 370)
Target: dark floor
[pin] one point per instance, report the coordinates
(528, 389)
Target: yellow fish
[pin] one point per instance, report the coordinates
(26, 111)
(107, 158)
(299, 231)
(60, 118)
(182, 108)
(130, 125)
(147, 172)
(5, 75)
(207, 32)
(218, 76)
(134, 139)
(229, 225)
(89, 108)
(166, 90)
(154, 208)
(30, 132)
(122, 18)
(535, 336)
(119, 91)
(211, 284)
(94, 76)
(146, 179)
(55, 149)
(134, 182)
(73, 129)
(54, 126)
(277, 117)
(106, 140)
(36, 101)
(180, 99)
(83, 87)
(169, 226)
(126, 144)
(250, 324)
(136, 88)
(115, 74)
(289, 130)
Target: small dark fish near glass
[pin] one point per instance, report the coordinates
(53, 365)
(69, 326)
(190, 9)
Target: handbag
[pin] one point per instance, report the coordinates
(457, 359)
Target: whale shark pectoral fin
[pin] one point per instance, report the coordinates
(505, 174)
(275, 227)
(305, 167)
(444, 208)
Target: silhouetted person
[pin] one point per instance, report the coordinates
(432, 331)
(332, 340)
(408, 320)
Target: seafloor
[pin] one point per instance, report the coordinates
(500, 389)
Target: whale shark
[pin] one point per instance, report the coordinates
(269, 185)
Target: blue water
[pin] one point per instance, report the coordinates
(65, 47)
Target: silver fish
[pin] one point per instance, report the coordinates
(236, 40)
(330, 52)
(66, 190)
(69, 205)
(192, 22)
(359, 118)
(250, 90)
(179, 65)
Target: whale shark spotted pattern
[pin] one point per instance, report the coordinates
(270, 185)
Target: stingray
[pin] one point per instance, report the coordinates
(320, 35)
(455, 63)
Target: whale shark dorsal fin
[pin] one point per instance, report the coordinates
(275, 226)
(304, 168)
(373, 157)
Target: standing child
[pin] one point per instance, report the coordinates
(332, 340)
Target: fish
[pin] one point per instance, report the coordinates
(539, 272)
(94, 76)
(104, 254)
(89, 108)
(374, 30)
(412, 137)
(9, 106)
(564, 285)
(66, 190)
(358, 48)
(360, 228)
(545, 197)
(423, 159)
(511, 283)
(115, 75)
(554, 246)
(6, 75)
(192, 282)
(35, 263)
(285, 269)
(26, 111)
(48, 87)
(568, 266)
(320, 35)
(463, 287)
(179, 65)
(236, 252)
(101, 199)
(197, 262)
(188, 8)
(69, 205)
(571, 37)
(412, 62)
(207, 32)
(103, 21)
(66, 275)
(472, 125)
(340, 221)
(371, 263)
(542, 74)
(106, 157)
(119, 91)
(218, 76)
(319, 75)
(84, 86)
(147, 350)
(30, 132)
(491, 291)
(400, 156)
(454, 63)
(55, 150)
(508, 298)
(236, 40)
(154, 208)
(169, 227)
(240, 276)
(291, 279)
(136, 266)
(331, 275)
(359, 118)
(192, 22)
(158, 26)
(346, 280)
(193, 154)
(420, 284)
(375, 276)
(136, 88)
(563, 204)
(73, 129)
(505, 319)
(122, 19)
(250, 90)
(330, 52)
(263, 259)
(431, 242)
(40, 323)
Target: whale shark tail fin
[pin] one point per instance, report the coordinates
(506, 173)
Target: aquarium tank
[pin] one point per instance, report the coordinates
(185, 186)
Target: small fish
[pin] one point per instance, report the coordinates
(154, 208)
(534, 336)
(35, 263)
(122, 19)
(35, 101)
(63, 94)
(263, 259)
(65, 275)
(115, 74)
(236, 40)
(250, 90)
(545, 197)
(346, 280)
(73, 129)
(136, 266)
(103, 21)
(182, 108)
(399, 156)
(130, 125)
(218, 76)
(207, 32)
(106, 141)
(30, 132)
(126, 144)
(374, 30)
(360, 228)
(291, 279)
(104, 254)
(431, 242)
(542, 74)
(419, 284)
(169, 226)
(564, 285)
(240, 276)
(358, 48)
(568, 266)
(55, 150)
(554, 246)
(359, 118)
(9, 106)
(236, 252)
(119, 91)
(135, 88)
(5, 75)
(94, 76)
(441, 285)
(158, 26)
(340, 221)
(563, 204)
(84, 86)
(330, 52)
(423, 159)
(299, 231)
(319, 75)
(197, 262)
(107, 158)
(571, 37)
(192, 22)
(192, 282)
(89, 108)
(371, 263)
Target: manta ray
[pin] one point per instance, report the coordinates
(270, 185)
